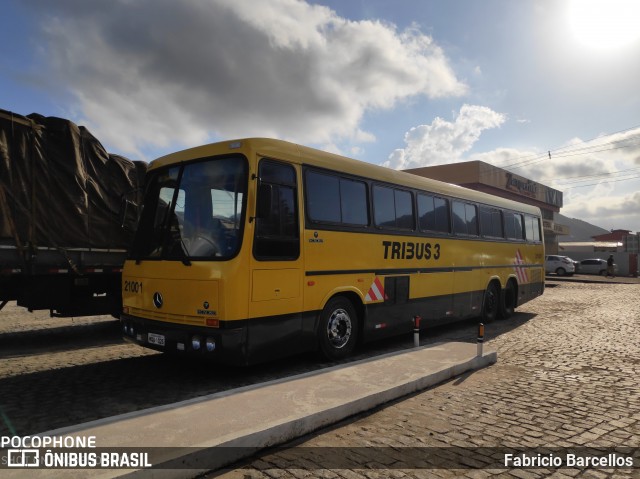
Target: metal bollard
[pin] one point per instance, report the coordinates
(480, 338)
(416, 331)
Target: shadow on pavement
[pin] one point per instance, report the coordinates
(68, 394)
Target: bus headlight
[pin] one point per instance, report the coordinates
(211, 345)
(196, 342)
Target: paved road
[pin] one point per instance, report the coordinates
(568, 376)
(57, 372)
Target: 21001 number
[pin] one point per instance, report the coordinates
(133, 287)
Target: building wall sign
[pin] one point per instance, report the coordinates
(555, 228)
(521, 185)
(479, 173)
(524, 187)
(553, 197)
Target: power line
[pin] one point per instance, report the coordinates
(569, 150)
(600, 182)
(579, 179)
(576, 152)
(598, 151)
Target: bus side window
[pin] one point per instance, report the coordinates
(353, 201)
(491, 222)
(336, 200)
(433, 213)
(465, 219)
(393, 208)
(533, 228)
(513, 225)
(323, 198)
(276, 236)
(537, 229)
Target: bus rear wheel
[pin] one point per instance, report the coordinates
(509, 299)
(491, 303)
(338, 328)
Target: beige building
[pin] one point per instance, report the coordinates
(481, 176)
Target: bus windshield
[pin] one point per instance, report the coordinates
(193, 211)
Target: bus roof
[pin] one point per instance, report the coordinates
(284, 150)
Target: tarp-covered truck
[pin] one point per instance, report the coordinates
(67, 210)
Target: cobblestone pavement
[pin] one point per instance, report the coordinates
(57, 372)
(567, 376)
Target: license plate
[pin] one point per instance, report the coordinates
(157, 339)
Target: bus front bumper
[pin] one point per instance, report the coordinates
(224, 345)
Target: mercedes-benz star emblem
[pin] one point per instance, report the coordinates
(157, 300)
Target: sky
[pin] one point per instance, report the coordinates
(548, 89)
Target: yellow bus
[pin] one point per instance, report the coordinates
(254, 249)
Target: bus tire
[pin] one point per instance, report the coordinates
(338, 328)
(509, 300)
(491, 303)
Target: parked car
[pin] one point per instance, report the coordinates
(560, 265)
(595, 266)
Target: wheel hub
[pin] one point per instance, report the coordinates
(339, 328)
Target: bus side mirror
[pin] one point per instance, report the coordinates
(129, 215)
(263, 208)
(124, 209)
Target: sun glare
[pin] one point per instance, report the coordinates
(605, 24)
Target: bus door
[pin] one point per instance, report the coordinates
(275, 308)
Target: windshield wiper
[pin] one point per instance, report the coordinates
(185, 259)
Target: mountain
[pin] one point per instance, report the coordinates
(580, 230)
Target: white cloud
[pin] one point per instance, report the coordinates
(159, 72)
(609, 210)
(443, 141)
(599, 179)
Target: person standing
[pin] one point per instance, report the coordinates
(610, 267)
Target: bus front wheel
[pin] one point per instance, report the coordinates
(338, 328)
